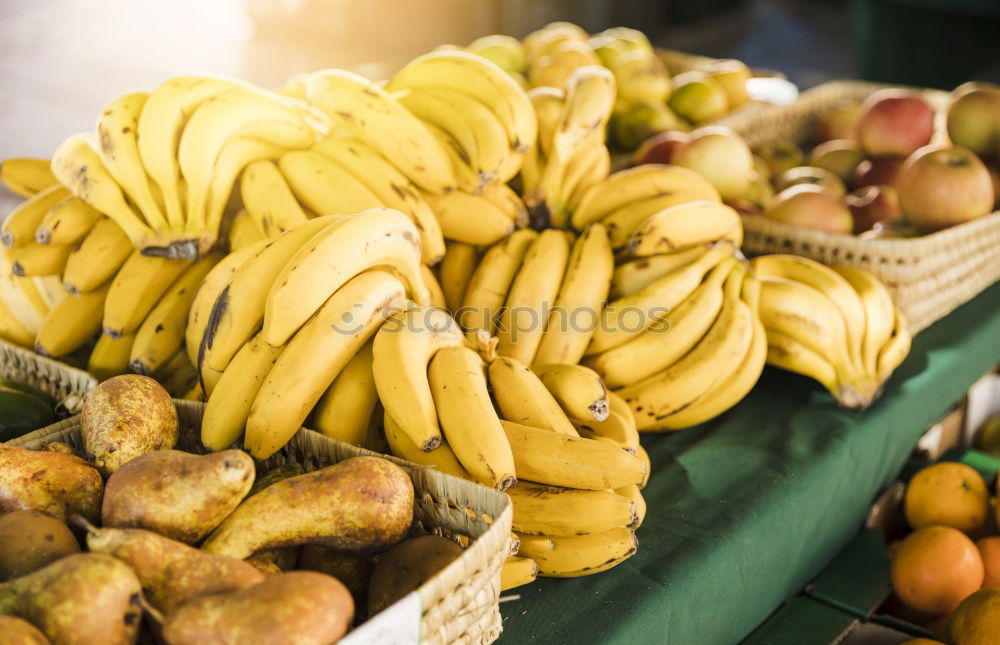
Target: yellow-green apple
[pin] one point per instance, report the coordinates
(839, 122)
(995, 176)
(660, 148)
(732, 75)
(555, 68)
(894, 123)
(974, 118)
(839, 156)
(697, 97)
(506, 51)
(760, 193)
(633, 123)
(940, 186)
(809, 206)
(721, 157)
(876, 171)
(780, 155)
(641, 76)
(825, 179)
(762, 168)
(873, 204)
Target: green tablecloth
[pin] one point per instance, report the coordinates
(746, 509)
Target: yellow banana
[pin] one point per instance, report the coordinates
(632, 276)
(110, 356)
(532, 543)
(21, 297)
(136, 289)
(625, 221)
(585, 554)
(50, 288)
(548, 103)
(523, 398)
(178, 376)
(11, 329)
(517, 572)
(433, 287)
(441, 457)
(588, 167)
(315, 356)
(71, 323)
(579, 390)
(38, 259)
(455, 272)
(470, 219)
(18, 228)
(896, 348)
(268, 198)
(26, 176)
(686, 225)
(466, 177)
(97, 258)
(618, 429)
(323, 186)
(490, 282)
(503, 197)
(879, 313)
(345, 409)
(243, 231)
(555, 512)
(786, 352)
(236, 154)
(67, 222)
(633, 493)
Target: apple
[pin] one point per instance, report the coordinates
(871, 172)
(995, 176)
(697, 97)
(641, 76)
(873, 204)
(555, 68)
(894, 123)
(940, 186)
(721, 157)
(839, 122)
(506, 51)
(761, 192)
(974, 118)
(732, 75)
(809, 206)
(839, 156)
(825, 179)
(780, 155)
(638, 121)
(660, 148)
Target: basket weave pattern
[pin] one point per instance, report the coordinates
(67, 384)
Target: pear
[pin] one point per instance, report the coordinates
(301, 607)
(30, 540)
(85, 599)
(54, 483)
(124, 417)
(171, 573)
(16, 631)
(407, 566)
(361, 505)
(355, 571)
(177, 494)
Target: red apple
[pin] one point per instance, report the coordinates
(941, 186)
(660, 148)
(873, 204)
(894, 123)
(871, 172)
(815, 176)
(810, 206)
(838, 123)
(839, 156)
(974, 118)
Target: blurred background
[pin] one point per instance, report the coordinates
(61, 59)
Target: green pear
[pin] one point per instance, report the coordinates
(54, 483)
(30, 540)
(85, 598)
(177, 494)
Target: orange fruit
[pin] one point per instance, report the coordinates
(935, 568)
(977, 619)
(947, 493)
(989, 549)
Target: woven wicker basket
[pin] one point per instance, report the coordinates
(67, 384)
(459, 604)
(929, 276)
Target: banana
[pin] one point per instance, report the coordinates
(490, 282)
(532, 543)
(437, 297)
(618, 429)
(579, 390)
(161, 334)
(523, 398)
(403, 348)
(503, 197)
(71, 323)
(110, 356)
(390, 186)
(442, 457)
(895, 349)
(548, 103)
(478, 77)
(50, 288)
(667, 340)
(879, 313)
(97, 257)
(589, 166)
(551, 458)
(233, 395)
(353, 244)
(26, 176)
(18, 228)
(468, 420)
(625, 221)
(583, 555)
(38, 259)
(178, 376)
(532, 296)
(633, 493)
(686, 225)
(555, 512)
(456, 271)
(642, 182)
(632, 276)
(345, 409)
(786, 352)
(709, 363)
(11, 329)
(384, 124)
(470, 219)
(584, 291)
(516, 572)
(268, 198)
(136, 289)
(236, 154)
(466, 178)
(239, 308)
(22, 299)
(243, 231)
(315, 356)
(629, 316)
(118, 149)
(78, 167)
(67, 222)
(325, 187)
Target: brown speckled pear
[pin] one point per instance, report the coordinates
(172, 573)
(30, 540)
(124, 417)
(361, 505)
(18, 631)
(177, 494)
(84, 599)
(54, 483)
(301, 607)
(355, 571)
(407, 566)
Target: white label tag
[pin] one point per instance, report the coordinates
(396, 625)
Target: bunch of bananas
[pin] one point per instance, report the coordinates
(836, 324)
(562, 446)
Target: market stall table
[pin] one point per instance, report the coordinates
(746, 509)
